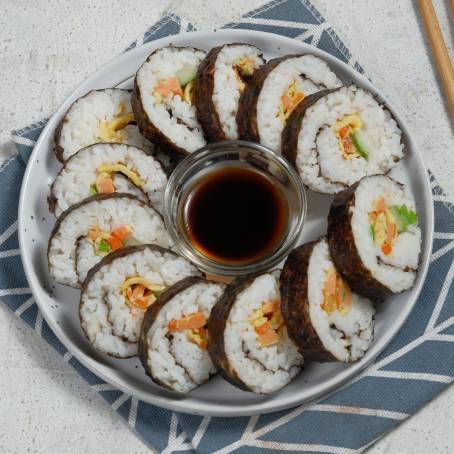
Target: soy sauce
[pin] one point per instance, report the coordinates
(236, 215)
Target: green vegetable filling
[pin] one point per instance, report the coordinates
(104, 246)
(186, 74)
(403, 216)
(359, 144)
(372, 231)
(93, 190)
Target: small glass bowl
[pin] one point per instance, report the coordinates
(236, 153)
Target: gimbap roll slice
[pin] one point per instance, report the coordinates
(374, 237)
(92, 229)
(105, 168)
(336, 137)
(324, 317)
(249, 344)
(174, 339)
(120, 289)
(99, 116)
(274, 92)
(222, 77)
(163, 99)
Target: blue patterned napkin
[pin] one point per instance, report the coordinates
(414, 368)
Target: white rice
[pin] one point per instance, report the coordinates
(226, 93)
(311, 73)
(319, 159)
(124, 185)
(347, 336)
(262, 369)
(175, 118)
(396, 271)
(107, 215)
(110, 324)
(81, 126)
(74, 180)
(172, 358)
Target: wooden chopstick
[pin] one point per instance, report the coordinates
(440, 53)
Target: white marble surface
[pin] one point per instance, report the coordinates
(47, 48)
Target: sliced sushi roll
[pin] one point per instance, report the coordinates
(249, 344)
(324, 318)
(92, 229)
(336, 137)
(163, 99)
(99, 116)
(174, 339)
(374, 237)
(120, 289)
(274, 92)
(221, 78)
(105, 168)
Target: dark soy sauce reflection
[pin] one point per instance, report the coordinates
(236, 215)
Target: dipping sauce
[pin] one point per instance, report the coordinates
(236, 215)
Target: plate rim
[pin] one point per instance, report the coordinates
(204, 408)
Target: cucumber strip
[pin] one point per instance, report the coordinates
(359, 144)
(403, 216)
(400, 222)
(410, 216)
(372, 231)
(186, 74)
(104, 246)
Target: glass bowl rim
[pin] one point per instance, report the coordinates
(199, 260)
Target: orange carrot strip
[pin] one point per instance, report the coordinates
(193, 321)
(167, 86)
(343, 132)
(343, 294)
(115, 243)
(121, 233)
(263, 328)
(268, 338)
(202, 331)
(197, 320)
(175, 87)
(386, 248)
(162, 88)
(139, 291)
(269, 307)
(339, 291)
(347, 144)
(140, 303)
(286, 102)
(330, 285)
(390, 232)
(329, 303)
(173, 325)
(298, 98)
(380, 205)
(105, 185)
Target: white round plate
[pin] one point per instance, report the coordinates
(59, 304)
